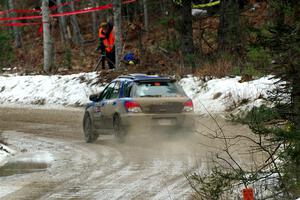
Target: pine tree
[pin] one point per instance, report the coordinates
(229, 27)
(187, 46)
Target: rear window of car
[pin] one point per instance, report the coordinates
(157, 89)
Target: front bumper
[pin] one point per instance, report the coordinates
(142, 120)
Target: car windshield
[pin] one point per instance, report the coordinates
(158, 89)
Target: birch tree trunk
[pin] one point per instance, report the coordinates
(16, 30)
(146, 20)
(77, 37)
(118, 31)
(47, 37)
(62, 23)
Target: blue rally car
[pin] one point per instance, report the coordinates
(138, 101)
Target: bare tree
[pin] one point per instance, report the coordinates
(16, 30)
(48, 61)
(94, 19)
(146, 20)
(77, 37)
(62, 22)
(118, 30)
(230, 172)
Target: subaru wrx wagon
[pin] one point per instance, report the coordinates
(145, 102)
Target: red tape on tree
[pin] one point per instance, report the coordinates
(35, 10)
(87, 10)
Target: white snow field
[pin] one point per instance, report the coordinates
(215, 96)
(67, 90)
(228, 94)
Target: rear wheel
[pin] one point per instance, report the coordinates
(89, 132)
(119, 131)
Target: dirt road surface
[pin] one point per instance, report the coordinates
(54, 162)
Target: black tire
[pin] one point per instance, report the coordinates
(89, 132)
(119, 131)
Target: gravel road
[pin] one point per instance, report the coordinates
(146, 166)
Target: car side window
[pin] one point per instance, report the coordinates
(107, 93)
(127, 89)
(116, 91)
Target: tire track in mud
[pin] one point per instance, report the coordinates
(70, 164)
(144, 168)
(133, 179)
(93, 171)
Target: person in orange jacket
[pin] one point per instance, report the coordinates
(107, 44)
(101, 46)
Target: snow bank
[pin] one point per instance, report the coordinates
(68, 90)
(214, 96)
(5, 153)
(227, 94)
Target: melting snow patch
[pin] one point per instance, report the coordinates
(5, 153)
(69, 90)
(5, 190)
(214, 96)
(36, 157)
(227, 94)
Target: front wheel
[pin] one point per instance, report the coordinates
(89, 132)
(119, 131)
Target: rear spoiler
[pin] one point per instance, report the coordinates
(165, 80)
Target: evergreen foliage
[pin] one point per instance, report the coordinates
(6, 49)
(278, 128)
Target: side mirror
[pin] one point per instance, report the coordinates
(94, 97)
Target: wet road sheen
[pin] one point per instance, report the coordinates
(54, 162)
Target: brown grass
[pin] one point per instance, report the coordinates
(219, 68)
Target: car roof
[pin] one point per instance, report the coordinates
(144, 77)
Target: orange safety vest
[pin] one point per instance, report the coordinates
(110, 41)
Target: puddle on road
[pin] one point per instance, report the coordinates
(13, 168)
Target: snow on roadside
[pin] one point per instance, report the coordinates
(214, 96)
(227, 94)
(5, 153)
(67, 90)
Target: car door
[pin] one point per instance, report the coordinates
(99, 122)
(111, 105)
(106, 106)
